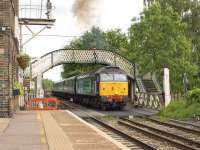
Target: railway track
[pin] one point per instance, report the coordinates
(187, 124)
(68, 105)
(176, 126)
(120, 135)
(175, 137)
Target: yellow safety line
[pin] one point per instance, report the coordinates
(42, 131)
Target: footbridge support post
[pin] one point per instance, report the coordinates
(166, 87)
(132, 87)
(39, 89)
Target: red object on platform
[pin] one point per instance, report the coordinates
(43, 104)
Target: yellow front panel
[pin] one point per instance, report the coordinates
(113, 88)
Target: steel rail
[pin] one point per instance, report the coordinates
(194, 131)
(123, 134)
(67, 105)
(154, 135)
(185, 123)
(165, 133)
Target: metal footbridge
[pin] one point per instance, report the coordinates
(93, 56)
(64, 56)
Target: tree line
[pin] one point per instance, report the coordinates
(167, 34)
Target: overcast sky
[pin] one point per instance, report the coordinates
(113, 14)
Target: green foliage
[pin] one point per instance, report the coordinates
(193, 96)
(75, 69)
(159, 41)
(94, 39)
(116, 40)
(19, 86)
(189, 11)
(180, 110)
(47, 84)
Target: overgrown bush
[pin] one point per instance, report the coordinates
(174, 110)
(193, 96)
(179, 110)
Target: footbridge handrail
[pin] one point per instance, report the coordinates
(63, 56)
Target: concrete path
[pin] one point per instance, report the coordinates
(23, 133)
(4, 122)
(57, 139)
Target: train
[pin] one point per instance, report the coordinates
(103, 88)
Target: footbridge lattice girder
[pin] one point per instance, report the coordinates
(64, 56)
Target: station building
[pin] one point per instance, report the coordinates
(9, 49)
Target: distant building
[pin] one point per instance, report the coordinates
(8, 52)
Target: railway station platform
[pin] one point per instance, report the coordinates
(52, 130)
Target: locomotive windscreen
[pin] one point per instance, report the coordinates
(113, 77)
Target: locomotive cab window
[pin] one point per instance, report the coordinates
(120, 77)
(113, 77)
(107, 77)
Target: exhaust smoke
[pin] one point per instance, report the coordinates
(87, 12)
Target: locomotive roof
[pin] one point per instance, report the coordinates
(106, 69)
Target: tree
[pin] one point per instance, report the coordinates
(94, 39)
(189, 10)
(159, 40)
(47, 84)
(70, 70)
(116, 41)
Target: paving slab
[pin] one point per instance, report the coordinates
(4, 122)
(81, 135)
(23, 133)
(56, 138)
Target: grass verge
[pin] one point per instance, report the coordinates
(179, 110)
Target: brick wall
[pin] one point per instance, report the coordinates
(8, 54)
